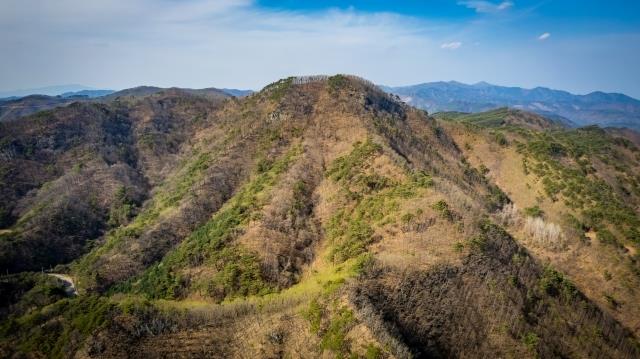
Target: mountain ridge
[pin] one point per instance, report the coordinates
(17, 107)
(605, 109)
(317, 217)
(47, 90)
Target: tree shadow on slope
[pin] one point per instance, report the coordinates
(500, 302)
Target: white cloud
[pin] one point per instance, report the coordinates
(451, 45)
(544, 36)
(486, 6)
(505, 5)
(238, 43)
(199, 43)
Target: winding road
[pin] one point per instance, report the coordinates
(69, 286)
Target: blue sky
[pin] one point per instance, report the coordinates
(580, 46)
(621, 11)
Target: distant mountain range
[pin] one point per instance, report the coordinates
(150, 90)
(59, 90)
(14, 107)
(87, 93)
(75, 91)
(596, 108)
(604, 109)
(237, 93)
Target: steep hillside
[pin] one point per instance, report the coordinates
(599, 108)
(576, 197)
(70, 174)
(319, 217)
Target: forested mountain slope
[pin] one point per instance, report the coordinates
(317, 217)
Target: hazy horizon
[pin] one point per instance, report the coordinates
(54, 90)
(246, 44)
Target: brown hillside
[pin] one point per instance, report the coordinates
(319, 217)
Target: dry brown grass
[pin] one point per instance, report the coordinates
(423, 242)
(583, 262)
(536, 230)
(256, 334)
(545, 233)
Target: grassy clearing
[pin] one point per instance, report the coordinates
(323, 278)
(331, 320)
